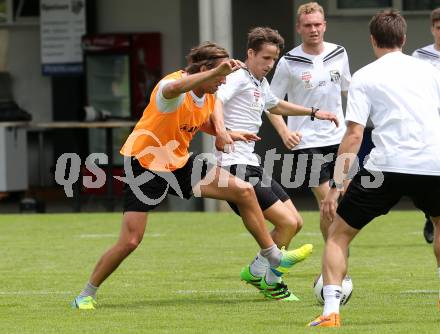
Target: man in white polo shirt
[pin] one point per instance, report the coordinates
(314, 73)
(401, 95)
(243, 98)
(431, 54)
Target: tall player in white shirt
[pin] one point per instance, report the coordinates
(314, 74)
(401, 96)
(244, 97)
(431, 54)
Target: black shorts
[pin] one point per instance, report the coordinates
(363, 201)
(315, 164)
(267, 190)
(152, 190)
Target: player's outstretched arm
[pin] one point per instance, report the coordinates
(285, 108)
(327, 116)
(192, 81)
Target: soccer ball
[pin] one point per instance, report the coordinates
(347, 289)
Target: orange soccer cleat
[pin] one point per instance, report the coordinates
(331, 320)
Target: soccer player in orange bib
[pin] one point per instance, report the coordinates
(157, 163)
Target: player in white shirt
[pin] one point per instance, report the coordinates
(401, 95)
(431, 54)
(314, 73)
(243, 98)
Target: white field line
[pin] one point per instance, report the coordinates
(35, 293)
(95, 236)
(182, 292)
(419, 292)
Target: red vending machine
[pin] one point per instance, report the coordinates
(121, 70)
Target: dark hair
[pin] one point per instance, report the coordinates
(388, 29)
(435, 16)
(207, 53)
(262, 35)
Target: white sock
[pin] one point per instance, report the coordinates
(259, 266)
(271, 278)
(272, 254)
(332, 299)
(89, 290)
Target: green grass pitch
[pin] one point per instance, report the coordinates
(184, 278)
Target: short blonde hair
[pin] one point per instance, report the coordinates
(435, 16)
(309, 8)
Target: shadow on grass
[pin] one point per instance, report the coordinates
(181, 302)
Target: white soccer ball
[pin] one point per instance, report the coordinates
(347, 289)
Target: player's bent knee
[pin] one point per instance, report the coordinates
(436, 221)
(299, 223)
(131, 244)
(128, 242)
(244, 193)
(292, 223)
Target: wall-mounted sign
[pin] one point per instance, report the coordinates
(62, 24)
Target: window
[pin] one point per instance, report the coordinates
(25, 10)
(370, 7)
(420, 4)
(346, 4)
(19, 11)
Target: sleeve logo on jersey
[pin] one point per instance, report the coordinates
(335, 76)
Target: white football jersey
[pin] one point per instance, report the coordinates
(401, 95)
(429, 54)
(314, 81)
(244, 99)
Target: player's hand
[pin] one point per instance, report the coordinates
(327, 116)
(329, 205)
(224, 142)
(228, 66)
(291, 139)
(243, 136)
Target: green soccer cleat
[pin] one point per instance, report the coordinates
(290, 258)
(84, 303)
(277, 291)
(246, 276)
